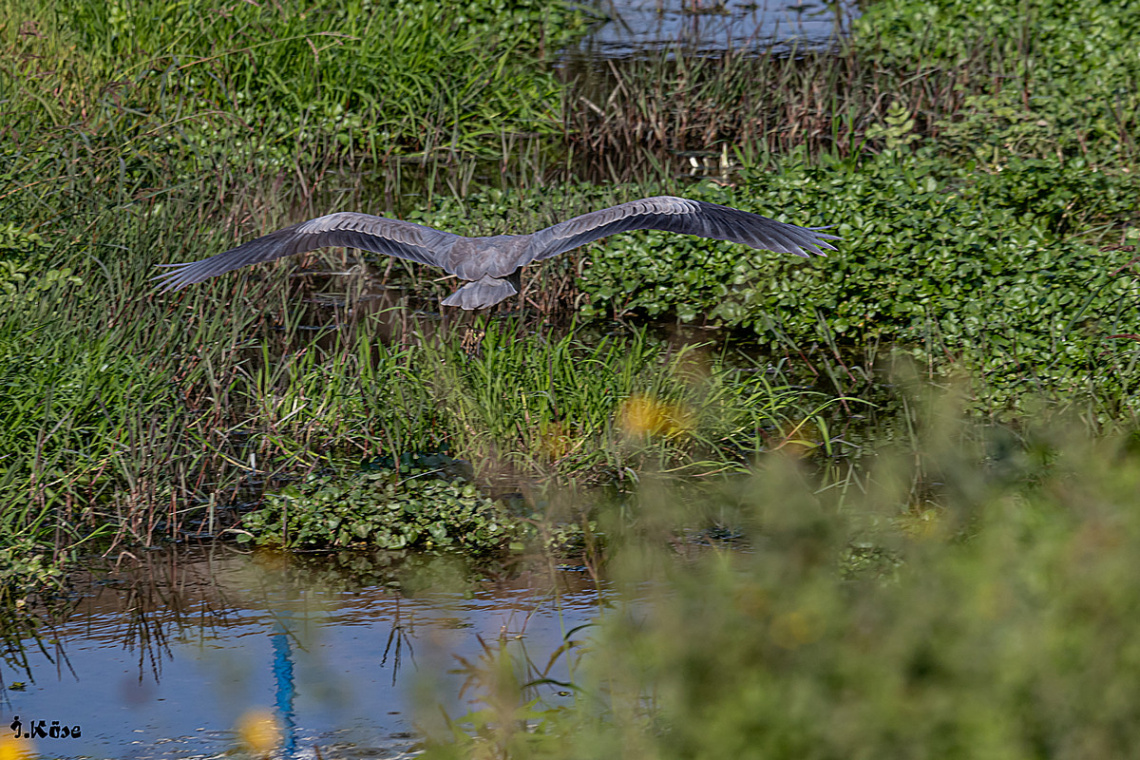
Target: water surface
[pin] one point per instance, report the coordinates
(705, 27)
(162, 658)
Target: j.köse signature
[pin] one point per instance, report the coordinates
(39, 729)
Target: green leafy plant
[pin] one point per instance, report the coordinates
(897, 129)
(26, 567)
(23, 256)
(381, 508)
(982, 268)
(1067, 81)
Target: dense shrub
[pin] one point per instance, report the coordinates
(936, 256)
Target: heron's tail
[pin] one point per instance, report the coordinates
(482, 293)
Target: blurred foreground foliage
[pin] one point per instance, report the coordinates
(971, 597)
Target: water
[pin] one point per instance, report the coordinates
(162, 659)
(704, 27)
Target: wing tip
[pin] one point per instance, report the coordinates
(174, 280)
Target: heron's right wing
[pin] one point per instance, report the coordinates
(405, 240)
(680, 215)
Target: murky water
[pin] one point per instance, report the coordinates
(164, 657)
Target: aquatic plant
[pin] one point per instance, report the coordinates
(418, 509)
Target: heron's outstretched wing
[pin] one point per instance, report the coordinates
(679, 215)
(405, 240)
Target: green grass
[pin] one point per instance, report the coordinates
(231, 84)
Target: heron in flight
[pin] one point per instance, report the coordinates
(492, 265)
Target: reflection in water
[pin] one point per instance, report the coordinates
(283, 677)
(163, 656)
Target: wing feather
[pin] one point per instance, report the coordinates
(683, 216)
(404, 240)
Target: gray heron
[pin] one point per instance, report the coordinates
(492, 265)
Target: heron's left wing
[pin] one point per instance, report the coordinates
(404, 240)
(683, 216)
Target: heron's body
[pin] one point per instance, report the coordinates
(492, 265)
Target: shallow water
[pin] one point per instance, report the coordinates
(162, 659)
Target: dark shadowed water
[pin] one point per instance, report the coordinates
(164, 657)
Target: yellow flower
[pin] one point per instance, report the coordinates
(643, 415)
(259, 732)
(557, 440)
(12, 748)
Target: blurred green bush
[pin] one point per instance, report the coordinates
(997, 622)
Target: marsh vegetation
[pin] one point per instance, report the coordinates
(925, 442)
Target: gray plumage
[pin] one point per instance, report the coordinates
(492, 264)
